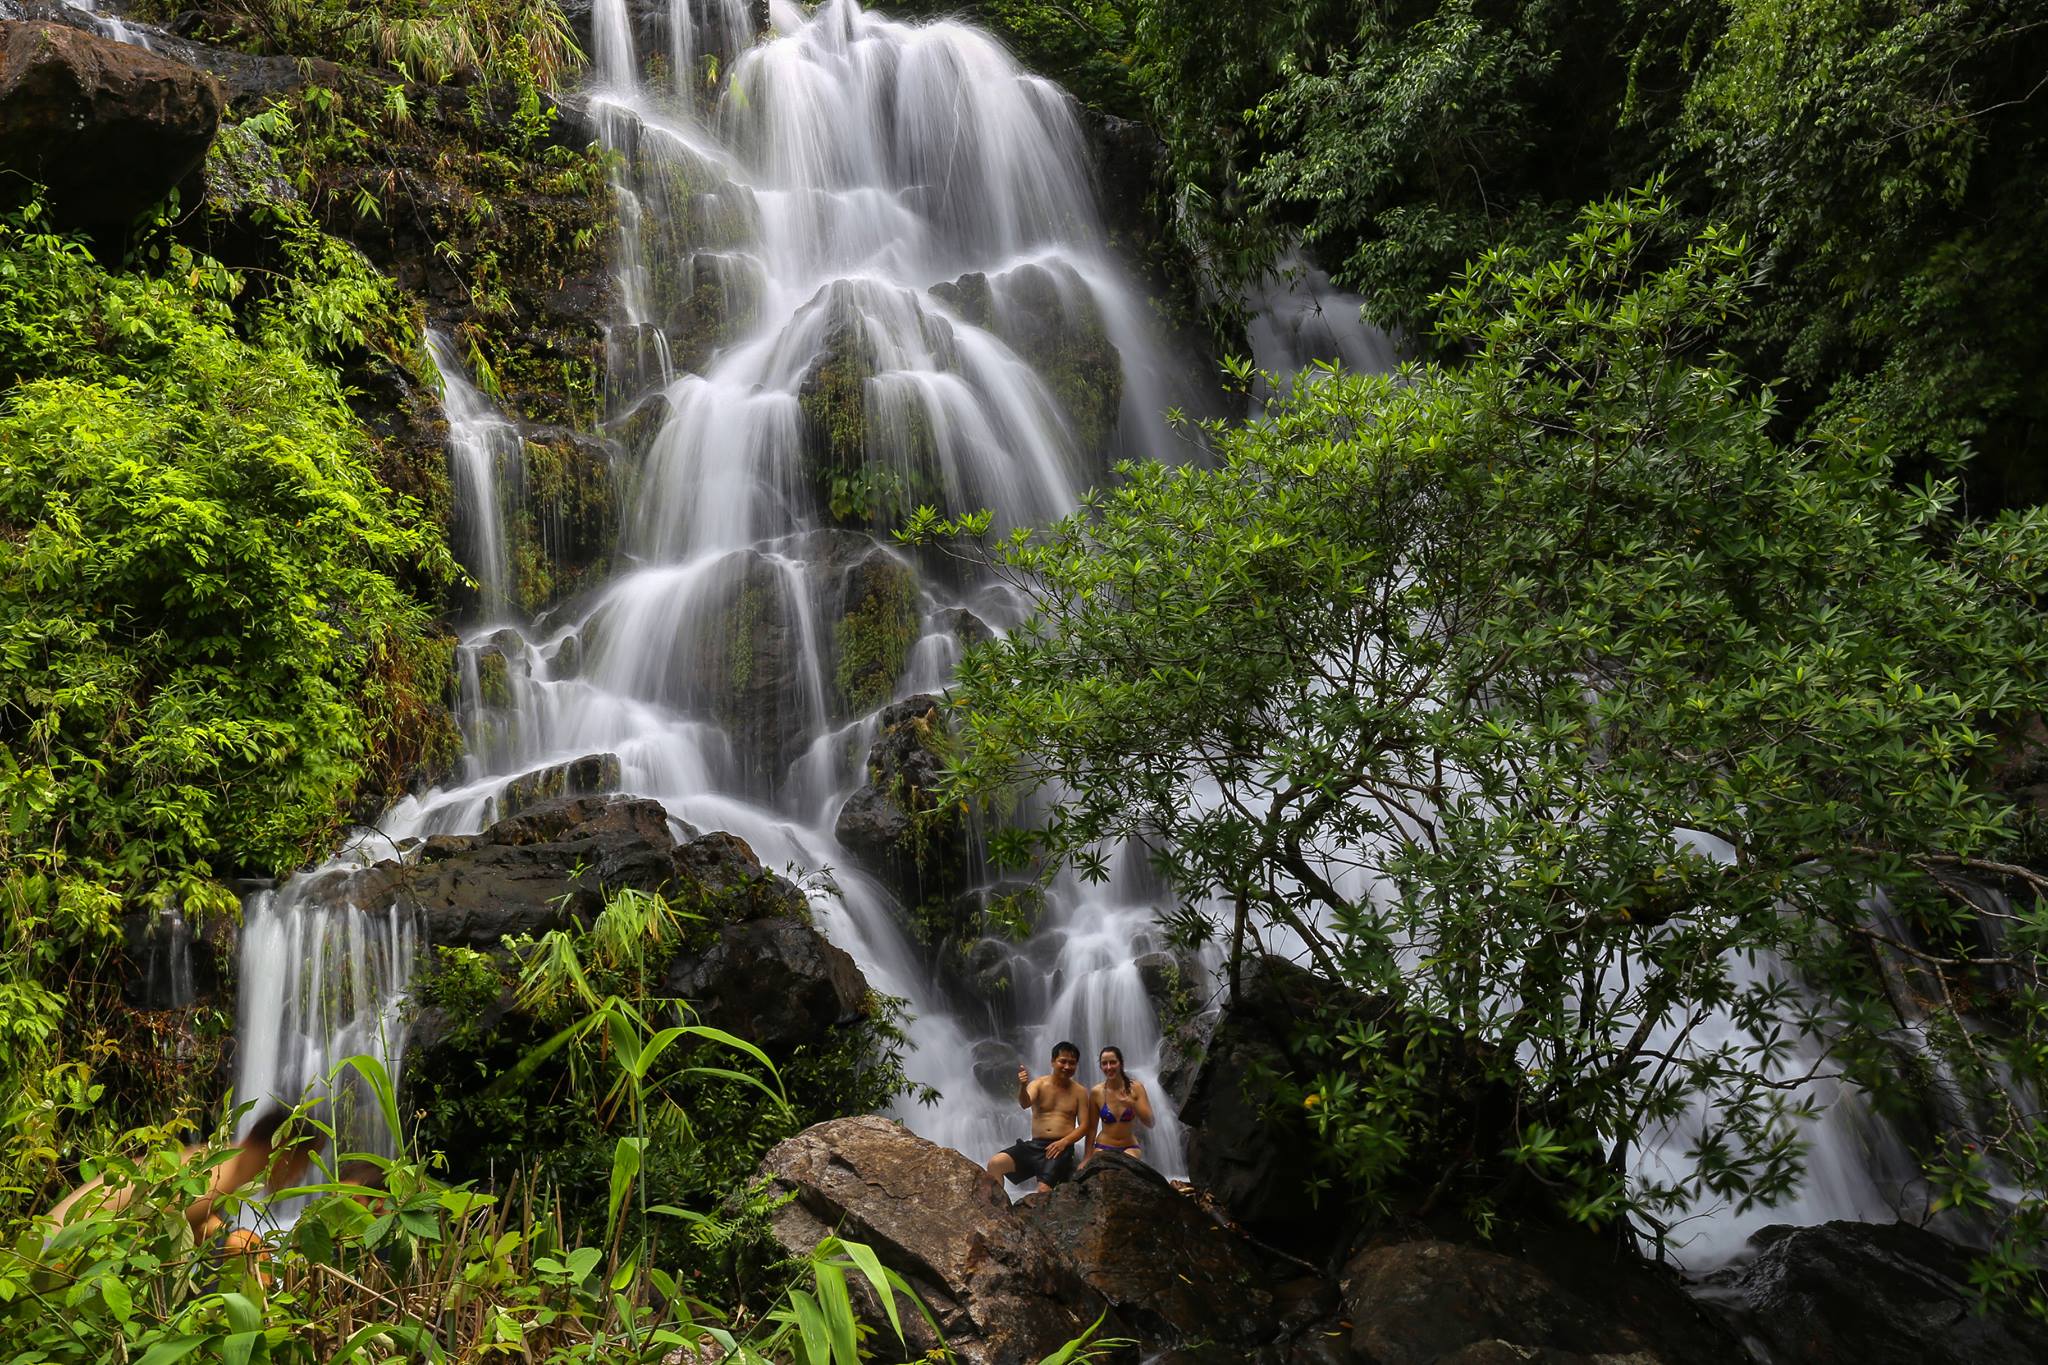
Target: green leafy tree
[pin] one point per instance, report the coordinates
(1550, 701)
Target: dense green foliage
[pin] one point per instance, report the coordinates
(409, 1268)
(1885, 157)
(208, 650)
(1553, 700)
(533, 1034)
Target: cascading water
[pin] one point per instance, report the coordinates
(323, 980)
(109, 26)
(841, 248)
(483, 455)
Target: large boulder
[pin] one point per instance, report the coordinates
(589, 775)
(107, 127)
(1047, 314)
(1249, 1106)
(1255, 1158)
(1871, 1294)
(1002, 1289)
(775, 982)
(553, 863)
(1435, 1302)
(874, 624)
(540, 869)
(1164, 1264)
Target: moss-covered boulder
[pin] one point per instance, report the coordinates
(870, 455)
(589, 775)
(873, 628)
(566, 519)
(1046, 314)
(896, 826)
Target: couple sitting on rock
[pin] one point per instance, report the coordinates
(1063, 1113)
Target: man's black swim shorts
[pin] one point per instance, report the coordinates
(1029, 1156)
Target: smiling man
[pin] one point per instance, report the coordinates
(1054, 1100)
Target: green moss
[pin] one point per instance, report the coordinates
(872, 638)
(560, 537)
(742, 620)
(493, 679)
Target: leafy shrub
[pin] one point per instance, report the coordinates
(204, 643)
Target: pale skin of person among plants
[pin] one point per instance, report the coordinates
(1117, 1105)
(261, 1155)
(1055, 1101)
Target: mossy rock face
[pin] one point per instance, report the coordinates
(897, 826)
(1047, 316)
(834, 401)
(873, 630)
(494, 675)
(586, 776)
(501, 242)
(561, 534)
(970, 299)
(869, 453)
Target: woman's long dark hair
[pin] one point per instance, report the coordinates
(1122, 1073)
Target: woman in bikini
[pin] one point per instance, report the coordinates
(1117, 1105)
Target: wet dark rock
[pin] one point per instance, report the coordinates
(107, 127)
(585, 776)
(1130, 165)
(1046, 314)
(1870, 1294)
(1251, 1157)
(775, 982)
(969, 297)
(248, 80)
(147, 942)
(1002, 1290)
(648, 21)
(1164, 1264)
(988, 970)
(967, 628)
(721, 869)
(1432, 1302)
(539, 869)
(552, 864)
(567, 518)
(995, 1068)
(874, 624)
(894, 825)
(1256, 1153)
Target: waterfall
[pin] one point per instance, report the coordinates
(848, 243)
(849, 257)
(483, 455)
(107, 25)
(321, 982)
(167, 962)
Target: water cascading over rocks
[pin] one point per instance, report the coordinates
(861, 269)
